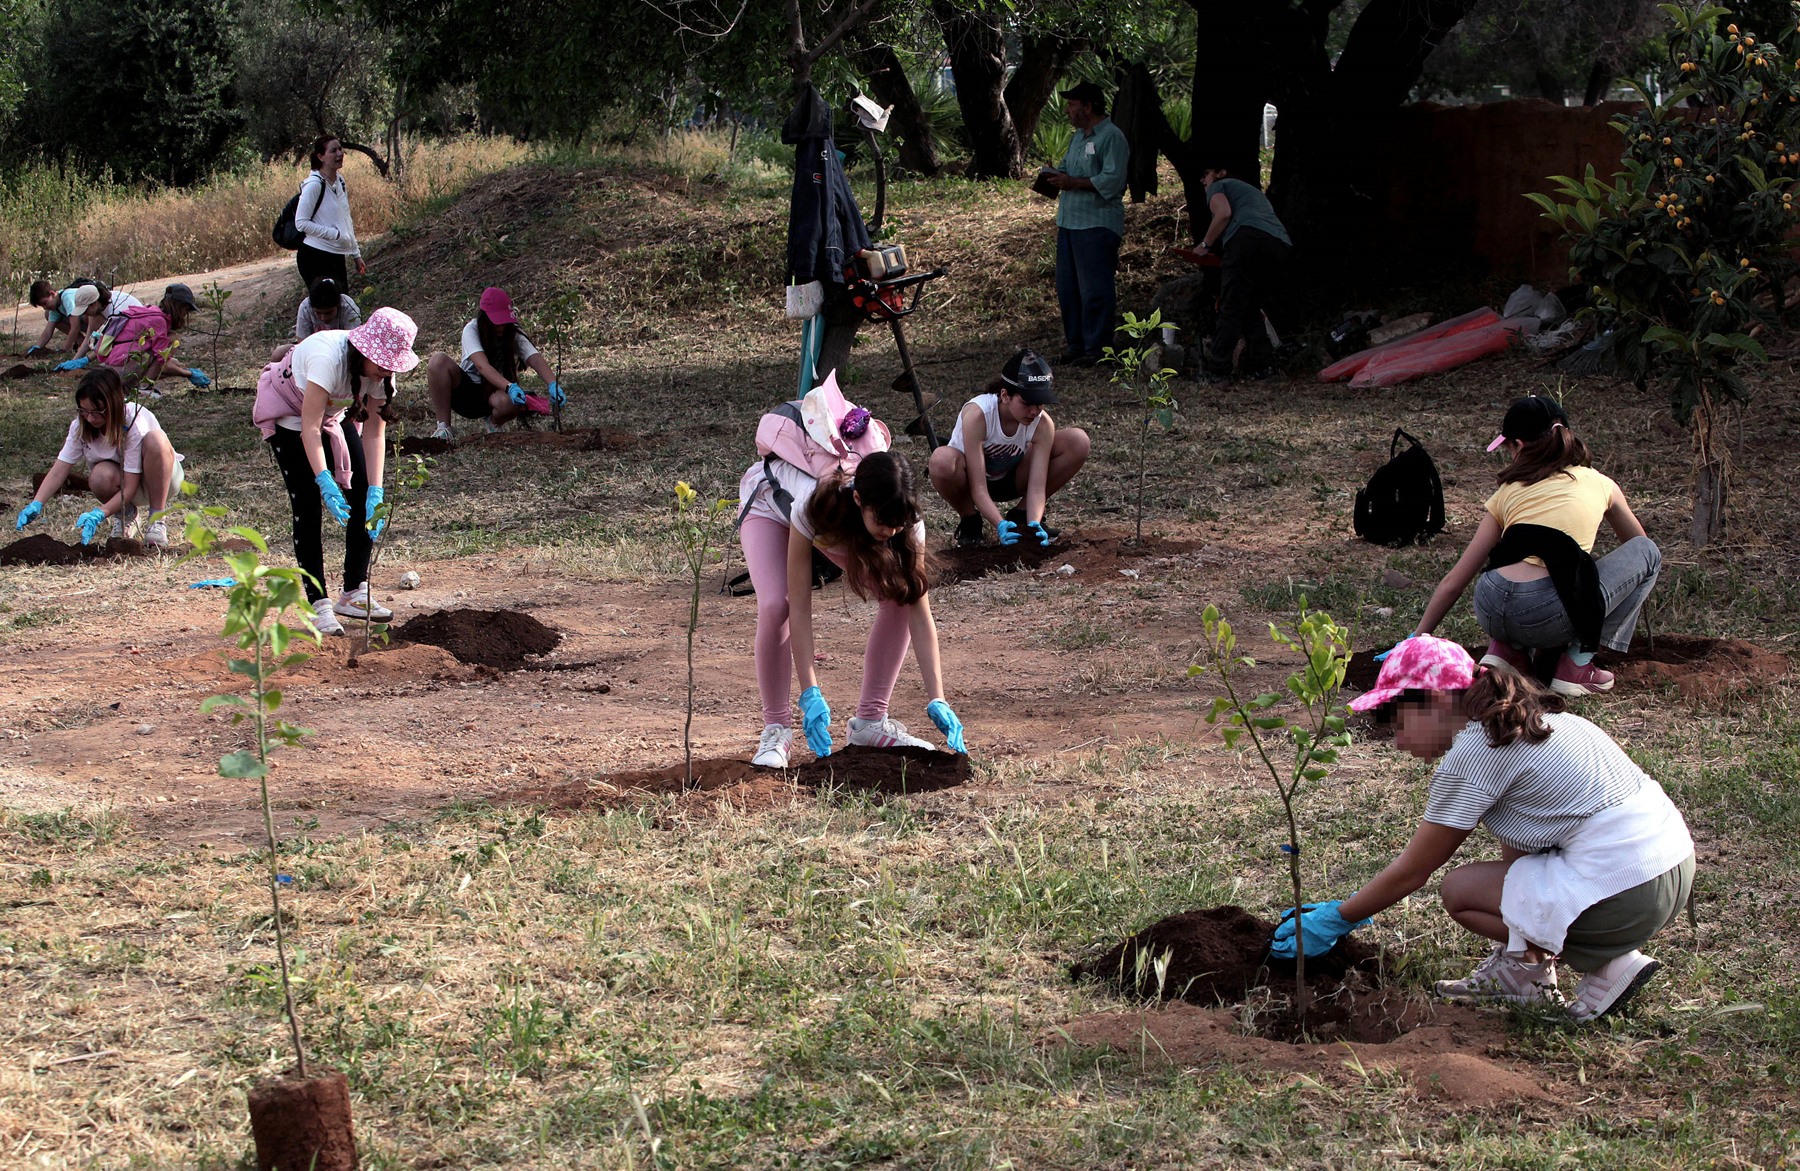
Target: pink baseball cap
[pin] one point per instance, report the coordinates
(386, 339)
(498, 306)
(1421, 663)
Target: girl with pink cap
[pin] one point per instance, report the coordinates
(324, 409)
(485, 385)
(1594, 857)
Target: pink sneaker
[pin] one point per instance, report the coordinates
(1504, 978)
(1505, 654)
(1572, 680)
(1606, 989)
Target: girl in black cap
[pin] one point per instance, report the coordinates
(1006, 447)
(1540, 589)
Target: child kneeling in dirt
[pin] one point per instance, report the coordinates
(485, 385)
(131, 464)
(1006, 447)
(1595, 859)
(868, 523)
(324, 410)
(324, 307)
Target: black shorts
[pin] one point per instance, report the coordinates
(470, 399)
(1005, 486)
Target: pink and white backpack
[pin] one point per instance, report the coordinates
(819, 434)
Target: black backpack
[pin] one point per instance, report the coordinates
(1404, 502)
(285, 232)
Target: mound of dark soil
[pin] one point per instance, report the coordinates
(1220, 954)
(75, 485)
(1363, 670)
(501, 639)
(1099, 552)
(43, 549)
(581, 439)
(1699, 668)
(19, 371)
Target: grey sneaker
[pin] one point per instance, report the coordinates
(1505, 978)
(156, 534)
(1605, 990)
(324, 620)
(443, 432)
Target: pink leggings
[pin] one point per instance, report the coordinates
(765, 552)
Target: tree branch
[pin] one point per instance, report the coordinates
(854, 17)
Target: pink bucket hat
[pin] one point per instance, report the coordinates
(386, 339)
(1421, 663)
(498, 306)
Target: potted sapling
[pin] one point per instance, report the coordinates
(1314, 738)
(303, 1119)
(1139, 369)
(696, 525)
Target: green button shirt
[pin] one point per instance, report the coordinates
(1098, 154)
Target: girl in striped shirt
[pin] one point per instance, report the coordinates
(1594, 858)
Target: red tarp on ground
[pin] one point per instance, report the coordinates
(1444, 353)
(1344, 368)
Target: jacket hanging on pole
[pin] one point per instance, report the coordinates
(825, 228)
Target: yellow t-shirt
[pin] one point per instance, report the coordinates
(1575, 502)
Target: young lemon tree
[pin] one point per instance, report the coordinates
(696, 527)
(1138, 368)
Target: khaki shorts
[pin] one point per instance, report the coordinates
(1627, 920)
(176, 479)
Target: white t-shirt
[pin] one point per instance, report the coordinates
(139, 422)
(324, 358)
(754, 487)
(471, 345)
(1000, 452)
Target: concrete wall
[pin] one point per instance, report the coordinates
(1457, 177)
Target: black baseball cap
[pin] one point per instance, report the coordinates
(1528, 419)
(1087, 92)
(1028, 376)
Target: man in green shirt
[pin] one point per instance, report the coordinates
(1090, 222)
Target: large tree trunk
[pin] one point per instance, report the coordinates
(1043, 57)
(887, 77)
(1137, 112)
(1226, 104)
(978, 62)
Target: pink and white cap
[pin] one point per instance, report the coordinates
(1421, 663)
(497, 305)
(386, 339)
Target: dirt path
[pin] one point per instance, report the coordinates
(102, 709)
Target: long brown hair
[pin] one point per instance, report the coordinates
(319, 145)
(176, 311)
(1510, 707)
(897, 569)
(1556, 450)
(500, 343)
(103, 387)
(355, 364)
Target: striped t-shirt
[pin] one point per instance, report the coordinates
(1531, 796)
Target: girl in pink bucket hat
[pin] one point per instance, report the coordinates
(324, 409)
(1594, 857)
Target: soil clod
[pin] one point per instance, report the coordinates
(1706, 669)
(581, 439)
(303, 1122)
(502, 639)
(43, 549)
(1098, 552)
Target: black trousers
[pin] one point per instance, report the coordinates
(309, 509)
(316, 262)
(1251, 283)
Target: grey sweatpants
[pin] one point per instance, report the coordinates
(1528, 614)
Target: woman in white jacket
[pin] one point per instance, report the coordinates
(323, 217)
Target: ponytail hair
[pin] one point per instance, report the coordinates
(897, 569)
(356, 364)
(1556, 450)
(1510, 707)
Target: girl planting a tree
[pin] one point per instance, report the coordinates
(324, 410)
(866, 519)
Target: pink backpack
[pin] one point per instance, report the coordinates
(810, 434)
(134, 330)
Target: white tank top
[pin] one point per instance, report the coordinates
(999, 451)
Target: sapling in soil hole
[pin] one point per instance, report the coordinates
(304, 1121)
(213, 298)
(560, 313)
(415, 474)
(1139, 369)
(1316, 737)
(696, 525)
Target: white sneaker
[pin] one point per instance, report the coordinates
(325, 619)
(1505, 978)
(772, 749)
(443, 432)
(493, 428)
(356, 604)
(888, 733)
(1603, 991)
(124, 522)
(156, 534)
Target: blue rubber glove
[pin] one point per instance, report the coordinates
(71, 364)
(516, 393)
(38, 351)
(1009, 532)
(199, 378)
(1036, 530)
(557, 397)
(376, 495)
(815, 714)
(28, 514)
(1320, 927)
(1382, 657)
(335, 504)
(947, 723)
(89, 523)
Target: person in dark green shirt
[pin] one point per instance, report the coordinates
(1249, 236)
(1090, 222)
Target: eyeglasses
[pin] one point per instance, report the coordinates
(91, 412)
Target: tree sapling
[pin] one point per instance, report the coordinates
(213, 297)
(696, 525)
(1138, 368)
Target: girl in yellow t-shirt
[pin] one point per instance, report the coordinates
(1539, 585)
